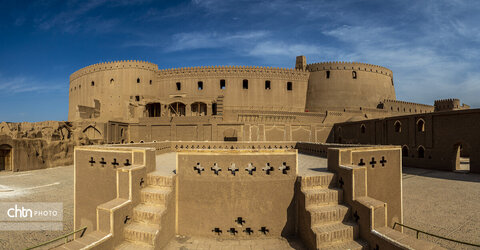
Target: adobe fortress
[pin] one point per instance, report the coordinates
(312, 155)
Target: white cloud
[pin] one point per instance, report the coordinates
(21, 84)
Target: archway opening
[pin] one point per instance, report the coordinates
(405, 151)
(462, 158)
(153, 109)
(199, 109)
(421, 152)
(6, 162)
(176, 109)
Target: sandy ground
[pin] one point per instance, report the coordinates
(443, 203)
(46, 185)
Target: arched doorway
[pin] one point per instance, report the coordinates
(199, 109)
(176, 109)
(153, 109)
(405, 151)
(6, 162)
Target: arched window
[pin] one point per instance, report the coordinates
(93, 83)
(421, 152)
(176, 109)
(199, 109)
(328, 74)
(138, 80)
(112, 81)
(354, 74)
(150, 82)
(245, 84)
(421, 125)
(398, 126)
(200, 85)
(405, 151)
(153, 109)
(362, 129)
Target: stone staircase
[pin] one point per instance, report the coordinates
(329, 218)
(143, 230)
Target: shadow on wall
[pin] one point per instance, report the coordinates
(471, 177)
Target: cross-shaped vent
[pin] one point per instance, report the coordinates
(267, 168)
(248, 230)
(115, 163)
(91, 161)
(373, 162)
(383, 161)
(216, 168)
(217, 230)
(199, 168)
(103, 162)
(233, 169)
(240, 221)
(264, 230)
(232, 231)
(361, 163)
(127, 163)
(250, 168)
(284, 168)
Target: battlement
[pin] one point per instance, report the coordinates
(449, 104)
(446, 101)
(113, 65)
(407, 103)
(233, 69)
(340, 65)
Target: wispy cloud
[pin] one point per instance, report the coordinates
(22, 84)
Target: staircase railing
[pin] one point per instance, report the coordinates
(434, 235)
(59, 238)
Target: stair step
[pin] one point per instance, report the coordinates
(350, 245)
(148, 213)
(127, 245)
(327, 214)
(154, 195)
(141, 232)
(323, 180)
(319, 196)
(157, 179)
(329, 234)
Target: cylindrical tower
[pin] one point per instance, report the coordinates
(340, 85)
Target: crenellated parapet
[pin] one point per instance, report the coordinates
(449, 104)
(349, 66)
(406, 103)
(240, 71)
(114, 65)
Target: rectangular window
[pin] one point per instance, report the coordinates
(245, 84)
(214, 109)
(267, 84)
(137, 98)
(200, 85)
(289, 86)
(328, 74)
(222, 84)
(179, 85)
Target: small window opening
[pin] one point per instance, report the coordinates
(137, 98)
(267, 84)
(93, 83)
(328, 74)
(200, 85)
(138, 80)
(289, 86)
(112, 81)
(362, 128)
(245, 84)
(150, 82)
(222, 84)
(354, 74)
(179, 85)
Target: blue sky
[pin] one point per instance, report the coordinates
(432, 46)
